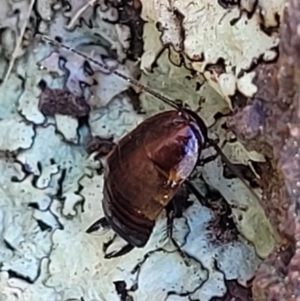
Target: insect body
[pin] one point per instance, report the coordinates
(146, 168)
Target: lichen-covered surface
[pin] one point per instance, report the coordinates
(53, 103)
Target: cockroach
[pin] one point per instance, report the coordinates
(147, 167)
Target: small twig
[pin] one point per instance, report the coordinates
(18, 43)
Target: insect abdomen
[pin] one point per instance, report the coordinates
(132, 226)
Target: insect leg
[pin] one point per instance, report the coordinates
(203, 200)
(99, 227)
(175, 209)
(116, 247)
(209, 143)
(101, 146)
(234, 169)
(206, 160)
(180, 202)
(170, 222)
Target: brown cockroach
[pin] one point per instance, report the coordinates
(147, 167)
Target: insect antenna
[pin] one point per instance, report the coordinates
(233, 168)
(132, 81)
(152, 92)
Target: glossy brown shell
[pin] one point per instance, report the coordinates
(136, 186)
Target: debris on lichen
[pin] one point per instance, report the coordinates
(61, 101)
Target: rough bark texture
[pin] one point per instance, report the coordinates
(273, 118)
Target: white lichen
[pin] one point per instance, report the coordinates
(206, 32)
(67, 126)
(51, 189)
(248, 213)
(15, 134)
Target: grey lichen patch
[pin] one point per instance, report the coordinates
(28, 106)
(103, 88)
(152, 46)
(170, 264)
(79, 10)
(14, 289)
(203, 246)
(15, 134)
(10, 96)
(135, 267)
(180, 83)
(67, 126)
(46, 176)
(24, 244)
(42, 151)
(56, 190)
(206, 32)
(167, 20)
(271, 11)
(251, 221)
(72, 161)
(44, 8)
(115, 120)
(213, 31)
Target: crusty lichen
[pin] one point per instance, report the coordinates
(55, 186)
(206, 32)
